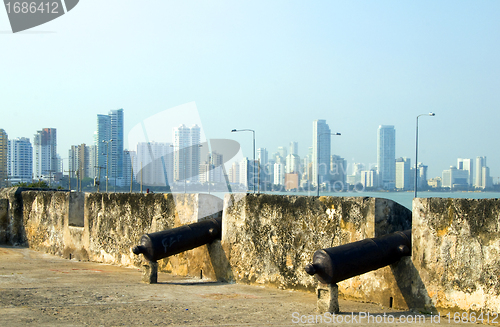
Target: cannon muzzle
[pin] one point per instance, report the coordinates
(159, 245)
(336, 264)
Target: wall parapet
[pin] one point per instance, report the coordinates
(268, 239)
(456, 250)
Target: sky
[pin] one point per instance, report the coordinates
(270, 66)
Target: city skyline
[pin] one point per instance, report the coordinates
(355, 64)
(176, 165)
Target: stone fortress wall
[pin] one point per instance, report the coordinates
(268, 239)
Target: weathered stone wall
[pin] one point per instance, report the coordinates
(44, 215)
(114, 223)
(103, 227)
(268, 239)
(4, 220)
(456, 252)
(12, 228)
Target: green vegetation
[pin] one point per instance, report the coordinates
(37, 184)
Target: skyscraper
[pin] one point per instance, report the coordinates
(102, 135)
(3, 158)
(483, 179)
(480, 163)
(109, 136)
(79, 161)
(20, 160)
(466, 164)
(386, 156)
(187, 153)
(294, 148)
(156, 161)
(321, 150)
(45, 149)
(404, 177)
(116, 146)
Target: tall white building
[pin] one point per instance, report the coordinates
(369, 178)
(466, 164)
(211, 170)
(294, 148)
(186, 153)
(45, 153)
(421, 176)
(321, 151)
(455, 178)
(292, 163)
(483, 179)
(404, 174)
(386, 156)
(156, 160)
(279, 174)
(234, 173)
(20, 160)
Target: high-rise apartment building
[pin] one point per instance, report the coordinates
(279, 174)
(282, 152)
(20, 160)
(292, 163)
(338, 172)
(79, 161)
(186, 153)
(455, 178)
(262, 156)
(101, 138)
(109, 143)
(45, 150)
(211, 170)
(234, 173)
(483, 178)
(4, 144)
(156, 160)
(421, 176)
(386, 156)
(466, 164)
(404, 174)
(116, 146)
(321, 151)
(294, 148)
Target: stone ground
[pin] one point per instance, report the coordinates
(44, 290)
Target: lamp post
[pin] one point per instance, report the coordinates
(317, 163)
(253, 163)
(107, 162)
(416, 151)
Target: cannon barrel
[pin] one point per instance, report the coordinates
(159, 245)
(336, 264)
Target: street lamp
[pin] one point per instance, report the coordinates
(416, 151)
(253, 163)
(317, 163)
(107, 161)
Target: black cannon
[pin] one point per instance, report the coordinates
(336, 264)
(159, 245)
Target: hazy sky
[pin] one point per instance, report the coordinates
(272, 66)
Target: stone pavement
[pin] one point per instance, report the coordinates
(44, 290)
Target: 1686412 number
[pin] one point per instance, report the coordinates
(32, 7)
(484, 318)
